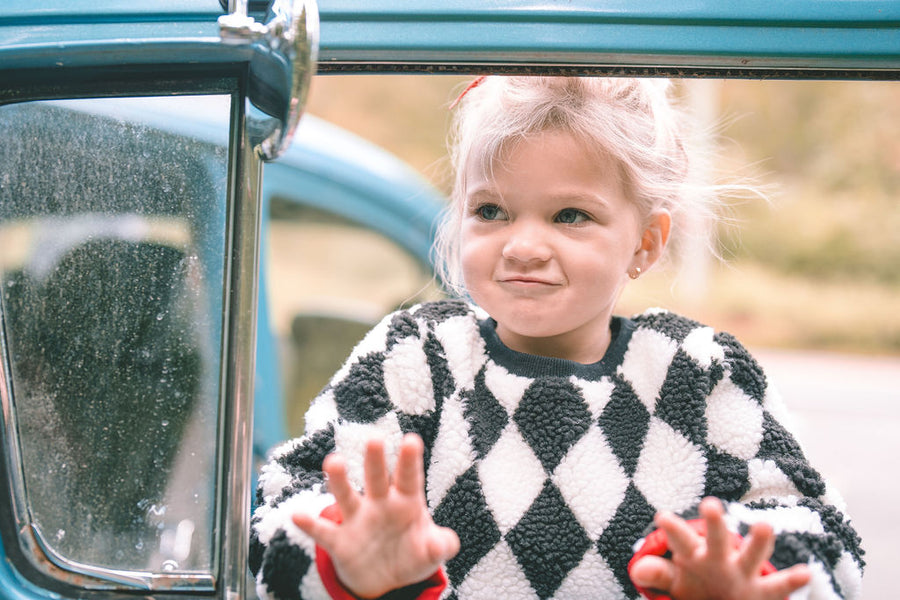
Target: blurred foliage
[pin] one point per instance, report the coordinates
(823, 248)
(832, 151)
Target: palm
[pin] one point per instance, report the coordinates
(387, 538)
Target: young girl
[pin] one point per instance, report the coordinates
(524, 442)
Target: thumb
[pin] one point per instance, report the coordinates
(322, 531)
(652, 572)
(443, 545)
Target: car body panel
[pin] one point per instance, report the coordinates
(724, 36)
(465, 35)
(98, 34)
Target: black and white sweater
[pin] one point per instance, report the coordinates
(551, 471)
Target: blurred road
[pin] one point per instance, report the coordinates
(847, 416)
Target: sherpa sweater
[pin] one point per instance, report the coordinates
(551, 471)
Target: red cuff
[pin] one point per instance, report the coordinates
(430, 589)
(656, 544)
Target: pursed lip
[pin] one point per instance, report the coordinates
(526, 280)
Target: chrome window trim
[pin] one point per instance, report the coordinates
(239, 353)
(130, 579)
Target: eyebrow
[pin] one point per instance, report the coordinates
(483, 194)
(564, 197)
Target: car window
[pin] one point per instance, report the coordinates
(330, 281)
(112, 224)
(809, 278)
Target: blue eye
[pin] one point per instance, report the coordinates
(571, 216)
(490, 212)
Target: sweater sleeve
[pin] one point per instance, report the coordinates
(756, 466)
(383, 390)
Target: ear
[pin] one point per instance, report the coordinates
(653, 241)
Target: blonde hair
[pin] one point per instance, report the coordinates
(633, 121)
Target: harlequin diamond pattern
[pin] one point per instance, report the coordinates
(550, 481)
(465, 510)
(548, 541)
(561, 489)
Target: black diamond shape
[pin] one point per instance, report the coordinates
(780, 446)
(465, 510)
(745, 371)
(403, 325)
(304, 464)
(682, 398)
(628, 525)
(625, 422)
(284, 566)
(440, 311)
(426, 426)
(835, 523)
(441, 379)
(548, 541)
(727, 476)
(552, 417)
(673, 325)
(310, 453)
(485, 416)
(361, 396)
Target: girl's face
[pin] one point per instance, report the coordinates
(547, 241)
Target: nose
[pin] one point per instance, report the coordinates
(527, 242)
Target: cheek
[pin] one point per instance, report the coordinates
(470, 262)
(603, 266)
(474, 256)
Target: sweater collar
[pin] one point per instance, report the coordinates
(531, 365)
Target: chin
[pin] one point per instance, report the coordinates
(531, 326)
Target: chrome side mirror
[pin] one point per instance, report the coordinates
(285, 49)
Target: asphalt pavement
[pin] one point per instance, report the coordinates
(847, 415)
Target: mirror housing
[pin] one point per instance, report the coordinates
(285, 50)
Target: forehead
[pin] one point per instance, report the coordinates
(531, 154)
(550, 170)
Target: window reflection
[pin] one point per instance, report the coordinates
(112, 237)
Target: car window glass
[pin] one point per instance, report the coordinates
(331, 280)
(112, 245)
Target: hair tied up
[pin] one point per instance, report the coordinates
(474, 84)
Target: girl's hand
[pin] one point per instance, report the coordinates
(387, 539)
(712, 567)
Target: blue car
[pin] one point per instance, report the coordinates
(154, 155)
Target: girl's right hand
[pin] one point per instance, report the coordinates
(387, 539)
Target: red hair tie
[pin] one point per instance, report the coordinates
(475, 83)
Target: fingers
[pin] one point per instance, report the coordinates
(681, 538)
(785, 582)
(346, 497)
(409, 475)
(718, 538)
(757, 548)
(376, 471)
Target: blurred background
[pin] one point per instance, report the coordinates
(818, 265)
(809, 277)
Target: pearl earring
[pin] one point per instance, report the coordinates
(635, 273)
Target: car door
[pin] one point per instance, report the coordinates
(129, 229)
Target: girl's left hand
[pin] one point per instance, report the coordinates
(711, 566)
